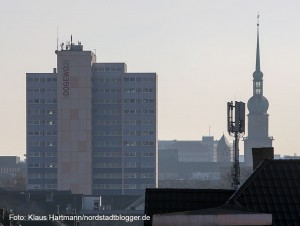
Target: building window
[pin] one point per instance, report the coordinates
(108, 165)
(130, 175)
(130, 186)
(34, 154)
(50, 165)
(34, 175)
(34, 165)
(50, 186)
(50, 154)
(147, 164)
(50, 175)
(51, 112)
(51, 144)
(130, 154)
(143, 186)
(107, 186)
(130, 165)
(51, 122)
(107, 175)
(147, 175)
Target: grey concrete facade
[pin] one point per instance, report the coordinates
(74, 120)
(102, 124)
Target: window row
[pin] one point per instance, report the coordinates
(108, 69)
(108, 133)
(108, 154)
(107, 186)
(126, 175)
(119, 133)
(107, 101)
(108, 165)
(41, 165)
(126, 186)
(41, 186)
(42, 133)
(138, 111)
(42, 144)
(138, 79)
(126, 143)
(138, 132)
(125, 101)
(126, 154)
(139, 122)
(125, 122)
(106, 80)
(42, 90)
(108, 122)
(126, 165)
(42, 101)
(125, 79)
(107, 143)
(112, 90)
(138, 90)
(42, 112)
(138, 101)
(139, 143)
(125, 90)
(107, 112)
(42, 175)
(9, 170)
(42, 122)
(41, 154)
(41, 79)
(139, 154)
(107, 175)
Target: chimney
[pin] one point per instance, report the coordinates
(260, 154)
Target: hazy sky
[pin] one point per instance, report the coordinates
(202, 51)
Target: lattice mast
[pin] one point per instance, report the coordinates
(236, 128)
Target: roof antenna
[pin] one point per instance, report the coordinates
(57, 37)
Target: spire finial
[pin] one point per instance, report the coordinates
(257, 47)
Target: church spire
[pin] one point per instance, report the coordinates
(258, 103)
(258, 117)
(257, 47)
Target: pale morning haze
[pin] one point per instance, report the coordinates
(202, 51)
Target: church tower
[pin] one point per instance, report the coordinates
(258, 118)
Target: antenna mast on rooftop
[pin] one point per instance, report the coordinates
(236, 128)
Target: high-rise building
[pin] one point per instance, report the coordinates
(258, 118)
(91, 127)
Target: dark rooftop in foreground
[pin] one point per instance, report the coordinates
(167, 200)
(274, 187)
